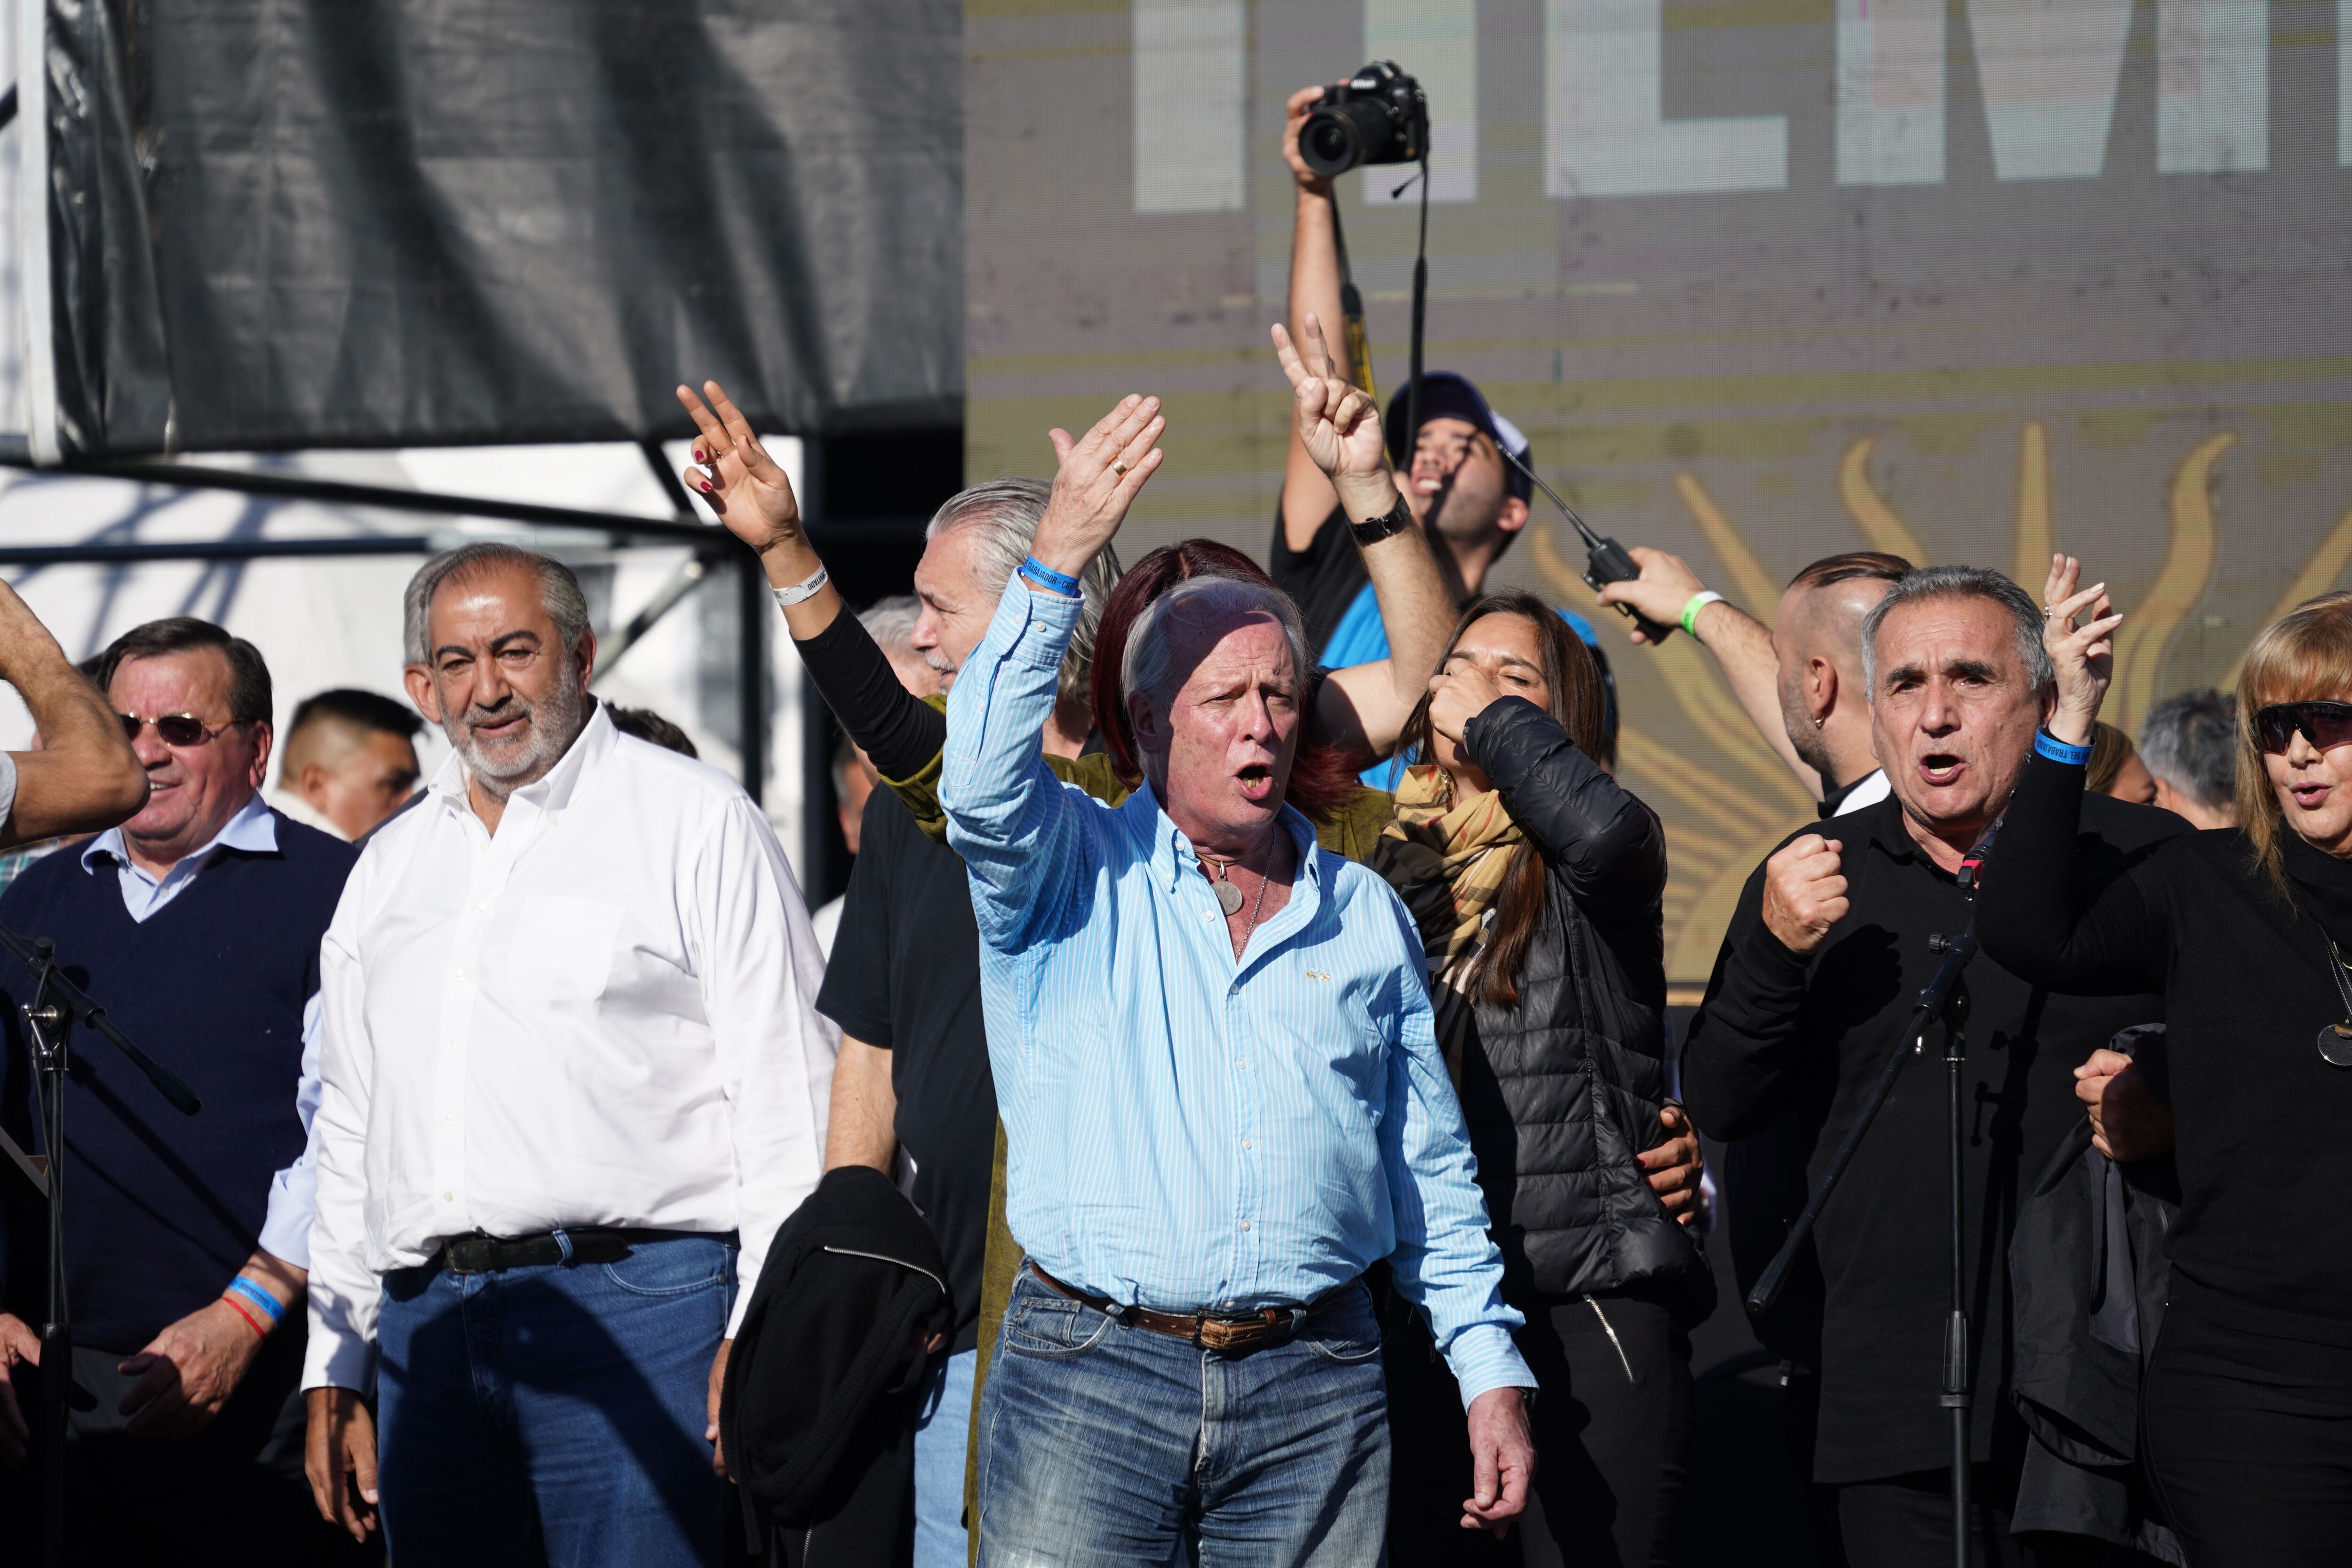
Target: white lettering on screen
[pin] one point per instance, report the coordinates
(1606, 133)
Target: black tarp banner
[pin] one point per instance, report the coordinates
(349, 223)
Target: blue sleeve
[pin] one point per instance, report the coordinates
(1022, 837)
(1444, 1261)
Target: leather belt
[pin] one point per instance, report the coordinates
(1232, 1333)
(479, 1254)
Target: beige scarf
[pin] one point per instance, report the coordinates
(1446, 859)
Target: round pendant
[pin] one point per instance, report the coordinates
(2336, 1044)
(1229, 898)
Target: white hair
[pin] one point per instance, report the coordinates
(891, 623)
(1149, 665)
(1004, 515)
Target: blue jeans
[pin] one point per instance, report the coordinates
(555, 1413)
(1107, 1445)
(942, 1440)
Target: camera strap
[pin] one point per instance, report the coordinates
(1351, 306)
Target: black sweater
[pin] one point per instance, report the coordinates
(1779, 1031)
(2262, 1126)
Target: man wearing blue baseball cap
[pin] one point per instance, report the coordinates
(1455, 471)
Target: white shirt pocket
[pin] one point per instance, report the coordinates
(562, 949)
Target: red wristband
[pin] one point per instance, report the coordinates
(238, 1307)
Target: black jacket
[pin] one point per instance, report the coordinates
(2087, 1266)
(813, 1415)
(1562, 1090)
(1781, 1033)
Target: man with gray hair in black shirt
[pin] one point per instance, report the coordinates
(1816, 978)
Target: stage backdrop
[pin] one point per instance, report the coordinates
(1763, 279)
(401, 223)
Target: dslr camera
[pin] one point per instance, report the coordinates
(1379, 115)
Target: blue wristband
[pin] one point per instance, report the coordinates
(2058, 751)
(241, 1286)
(1045, 577)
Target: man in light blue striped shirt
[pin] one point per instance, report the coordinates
(1223, 1102)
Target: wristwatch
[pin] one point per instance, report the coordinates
(1395, 521)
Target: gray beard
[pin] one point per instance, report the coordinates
(555, 723)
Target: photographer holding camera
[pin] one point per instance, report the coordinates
(1458, 484)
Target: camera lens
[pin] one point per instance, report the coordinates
(1328, 143)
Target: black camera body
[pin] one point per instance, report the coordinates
(1379, 115)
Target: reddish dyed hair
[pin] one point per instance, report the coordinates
(1322, 775)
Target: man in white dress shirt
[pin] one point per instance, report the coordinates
(568, 1059)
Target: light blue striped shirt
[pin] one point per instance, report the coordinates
(1184, 1131)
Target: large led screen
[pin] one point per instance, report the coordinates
(1763, 279)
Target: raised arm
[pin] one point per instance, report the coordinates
(2031, 916)
(1741, 644)
(753, 498)
(1019, 832)
(1308, 496)
(1339, 429)
(84, 778)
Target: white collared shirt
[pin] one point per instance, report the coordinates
(252, 829)
(601, 1015)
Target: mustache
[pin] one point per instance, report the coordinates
(940, 663)
(477, 715)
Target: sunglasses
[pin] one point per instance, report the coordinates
(2324, 724)
(175, 729)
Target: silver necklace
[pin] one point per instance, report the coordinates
(2335, 1039)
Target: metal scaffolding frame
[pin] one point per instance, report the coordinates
(714, 548)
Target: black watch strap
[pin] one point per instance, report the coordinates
(1395, 521)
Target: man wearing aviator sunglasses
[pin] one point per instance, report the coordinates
(181, 1266)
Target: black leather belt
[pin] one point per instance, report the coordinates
(1233, 1333)
(479, 1254)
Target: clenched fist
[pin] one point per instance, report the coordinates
(1804, 892)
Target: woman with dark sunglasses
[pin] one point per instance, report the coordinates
(2246, 1407)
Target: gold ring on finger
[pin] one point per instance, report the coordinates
(1118, 466)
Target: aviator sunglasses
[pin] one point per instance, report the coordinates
(2324, 724)
(175, 729)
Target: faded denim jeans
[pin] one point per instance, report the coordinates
(555, 1414)
(1103, 1444)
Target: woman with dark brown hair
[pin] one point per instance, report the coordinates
(2246, 1407)
(1535, 880)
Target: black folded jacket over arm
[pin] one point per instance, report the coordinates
(898, 730)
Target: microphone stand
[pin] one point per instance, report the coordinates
(1944, 997)
(57, 1006)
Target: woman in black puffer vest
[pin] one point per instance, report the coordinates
(1535, 880)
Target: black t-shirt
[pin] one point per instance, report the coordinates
(1323, 579)
(1781, 1033)
(904, 976)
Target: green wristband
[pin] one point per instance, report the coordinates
(1698, 601)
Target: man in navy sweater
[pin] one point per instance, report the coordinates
(197, 924)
